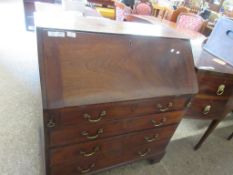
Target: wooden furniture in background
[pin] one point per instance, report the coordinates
(215, 5)
(207, 29)
(194, 9)
(174, 15)
(160, 11)
(137, 18)
(107, 99)
(29, 9)
(215, 98)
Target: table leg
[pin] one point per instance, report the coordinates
(210, 129)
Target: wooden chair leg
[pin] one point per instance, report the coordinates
(230, 137)
(210, 129)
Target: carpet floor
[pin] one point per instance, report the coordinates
(21, 116)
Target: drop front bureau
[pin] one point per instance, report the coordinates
(113, 93)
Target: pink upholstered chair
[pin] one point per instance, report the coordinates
(190, 21)
(143, 8)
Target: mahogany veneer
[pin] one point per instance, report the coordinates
(110, 95)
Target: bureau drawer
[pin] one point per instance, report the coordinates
(135, 153)
(90, 114)
(78, 134)
(202, 108)
(85, 151)
(213, 85)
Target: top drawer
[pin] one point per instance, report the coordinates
(110, 111)
(219, 86)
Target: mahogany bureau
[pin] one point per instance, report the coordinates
(111, 94)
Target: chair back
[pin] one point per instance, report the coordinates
(176, 13)
(190, 21)
(143, 8)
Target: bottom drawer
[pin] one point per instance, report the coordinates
(133, 153)
(205, 109)
(99, 148)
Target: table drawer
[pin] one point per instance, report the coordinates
(78, 134)
(135, 153)
(100, 113)
(215, 85)
(205, 108)
(85, 151)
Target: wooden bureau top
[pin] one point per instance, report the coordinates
(69, 21)
(72, 21)
(80, 67)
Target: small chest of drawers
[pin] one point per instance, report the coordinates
(215, 89)
(109, 94)
(214, 100)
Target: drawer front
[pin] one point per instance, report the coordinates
(78, 134)
(90, 114)
(96, 149)
(205, 109)
(135, 153)
(213, 85)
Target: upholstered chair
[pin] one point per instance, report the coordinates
(143, 8)
(190, 21)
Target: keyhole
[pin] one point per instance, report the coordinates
(130, 43)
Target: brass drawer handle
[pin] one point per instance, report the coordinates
(152, 139)
(51, 123)
(143, 154)
(163, 120)
(206, 110)
(220, 90)
(82, 171)
(85, 133)
(89, 117)
(164, 109)
(189, 104)
(95, 150)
